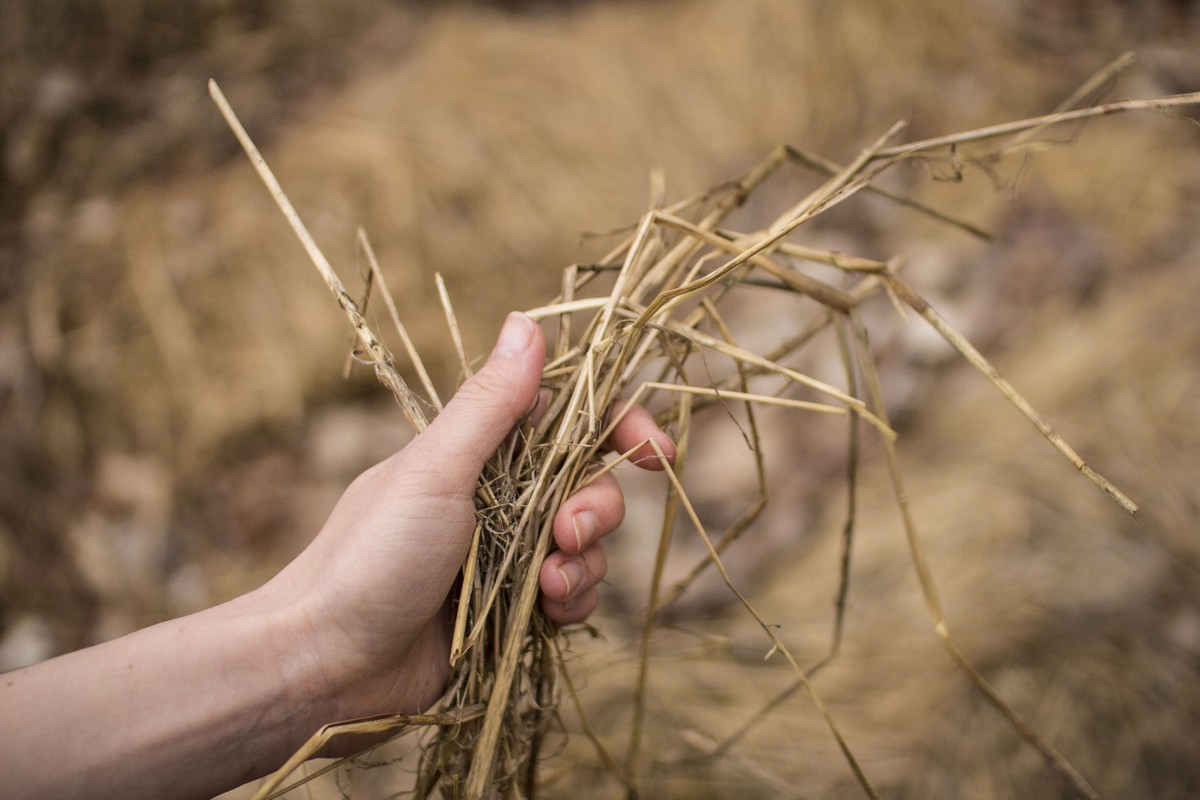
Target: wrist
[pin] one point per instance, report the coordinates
(307, 689)
(324, 679)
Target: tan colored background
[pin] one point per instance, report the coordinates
(173, 422)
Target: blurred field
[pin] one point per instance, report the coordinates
(175, 425)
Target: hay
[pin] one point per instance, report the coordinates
(655, 334)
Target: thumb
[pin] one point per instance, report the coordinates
(484, 410)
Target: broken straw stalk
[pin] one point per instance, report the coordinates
(660, 312)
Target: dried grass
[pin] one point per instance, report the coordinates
(655, 332)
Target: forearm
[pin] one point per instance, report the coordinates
(187, 708)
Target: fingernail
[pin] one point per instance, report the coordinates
(572, 574)
(586, 527)
(515, 336)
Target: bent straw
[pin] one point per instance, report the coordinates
(1058, 118)
(385, 370)
(976, 359)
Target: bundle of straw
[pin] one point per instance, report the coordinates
(638, 338)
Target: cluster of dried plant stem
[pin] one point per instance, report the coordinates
(657, 315)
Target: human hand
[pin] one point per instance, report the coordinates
(372, 588)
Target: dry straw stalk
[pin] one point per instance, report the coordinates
(642, 337)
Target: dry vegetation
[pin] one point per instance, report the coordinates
(176, 431)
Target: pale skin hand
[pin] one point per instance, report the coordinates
(356, 625)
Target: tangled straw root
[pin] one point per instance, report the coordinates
(645, 322)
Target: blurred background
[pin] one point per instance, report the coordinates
(175, 426)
